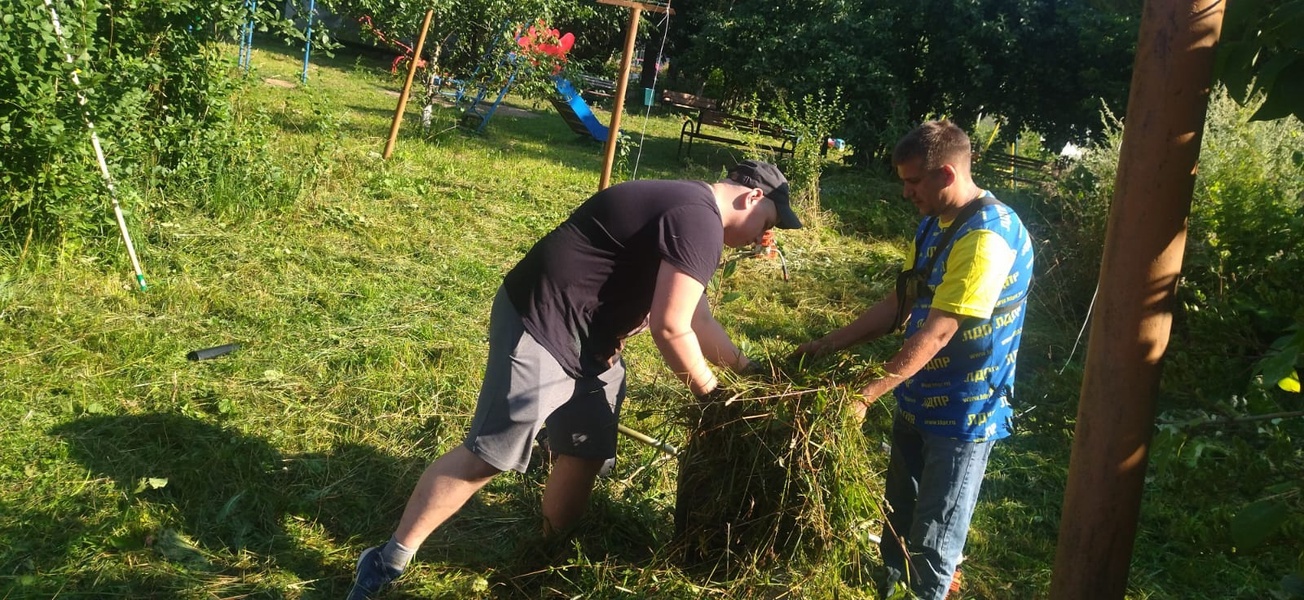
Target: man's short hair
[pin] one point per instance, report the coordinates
(937, 142)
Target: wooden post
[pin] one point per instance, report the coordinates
(1014, 167)
(1138, 279)
(407, 85)
(622, 83)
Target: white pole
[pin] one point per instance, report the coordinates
(99, 152)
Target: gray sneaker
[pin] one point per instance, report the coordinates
(372, 575)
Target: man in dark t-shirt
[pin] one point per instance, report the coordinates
(636, 255)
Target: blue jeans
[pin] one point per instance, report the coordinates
(932, 487)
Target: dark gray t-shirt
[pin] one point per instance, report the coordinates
(589, 282)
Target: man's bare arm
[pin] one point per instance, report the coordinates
(715, 342)
(935, 334)
(674, 304)
(874, 323)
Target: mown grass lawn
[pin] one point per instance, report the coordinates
(359, 293)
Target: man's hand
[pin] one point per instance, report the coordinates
(755, 368)
(868, 395)
(859, 407)
(720, 394)
(813, 349)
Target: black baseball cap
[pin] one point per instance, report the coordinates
(767, 177)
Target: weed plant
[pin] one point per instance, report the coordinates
(157, 86)
(814, 118)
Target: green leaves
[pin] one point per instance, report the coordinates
(151, 84)
(1283, 83)
(150, 483)
(1256, 522)
(1278, 367)
(1262, 52)
(1040, 65)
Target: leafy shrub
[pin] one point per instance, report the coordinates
(1240, 292)
(1239, 288)
(814, 118)
(157, 88)
(1247, 225)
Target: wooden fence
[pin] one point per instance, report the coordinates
(1012, 169)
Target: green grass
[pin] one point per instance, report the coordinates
(359, 289)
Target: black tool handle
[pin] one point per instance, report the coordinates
(213, 352)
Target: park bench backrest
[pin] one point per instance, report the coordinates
(720, 119)
(688, 100)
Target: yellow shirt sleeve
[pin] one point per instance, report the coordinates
(975, 274)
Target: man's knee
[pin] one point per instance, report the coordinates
(462, 463)
(575, 470)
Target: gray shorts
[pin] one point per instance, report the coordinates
(525, 387)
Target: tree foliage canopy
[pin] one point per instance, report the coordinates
(462, 30)
(1040, 65)
(1262, 51)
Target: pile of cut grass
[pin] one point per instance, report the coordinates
(778, 478)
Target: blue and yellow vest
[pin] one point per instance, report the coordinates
(965, 391)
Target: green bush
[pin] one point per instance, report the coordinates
(1247, 222)
(814, 118)
(1240, 292)
(157, 88)
(1239, 289)
(1222, 424)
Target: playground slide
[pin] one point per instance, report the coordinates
(582, 113)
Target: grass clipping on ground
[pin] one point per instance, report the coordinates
(778, 475)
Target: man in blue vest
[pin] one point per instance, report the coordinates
(962, 304)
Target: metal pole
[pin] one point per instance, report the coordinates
(1138, 279)
(647, 439)
(247, 37)
(407, 85)
(99, 152)
(618, 103)
(307, 45)
(1014, 165)
(240, 61)
(253, 25)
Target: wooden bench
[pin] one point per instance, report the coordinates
(731, 129)
(686, 101)
(596, 89)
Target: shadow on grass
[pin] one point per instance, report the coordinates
(343, 57)
(219, 494)
(203, 508)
